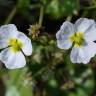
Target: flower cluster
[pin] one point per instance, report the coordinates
(14, 45)
(80, 37)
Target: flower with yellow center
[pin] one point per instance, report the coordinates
(81, 35)
(14, 45)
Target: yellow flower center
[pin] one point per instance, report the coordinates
(77, 39)
(15, 45)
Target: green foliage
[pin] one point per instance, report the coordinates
(23, 6)
(60, 8)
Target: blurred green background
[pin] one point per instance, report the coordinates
(49, 71)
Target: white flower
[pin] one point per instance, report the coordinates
(14, 44)
(81, 37)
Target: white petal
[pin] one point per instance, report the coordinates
(83, 54)
(83, 24)
(89, 51)
(90, 33)
(6, 32)
(12, 60)
(3, 44)
(27, 45)
(64, 44)
(67, 27)
(74, 56)
(66, 30)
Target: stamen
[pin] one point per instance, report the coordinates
(15, 45)
(77, 39)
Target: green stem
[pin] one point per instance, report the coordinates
(41, 15)
(89, 8)
(41, 12)
(11, 15)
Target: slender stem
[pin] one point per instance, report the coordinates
(11, 15)
(89, 8)
(41, 15)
